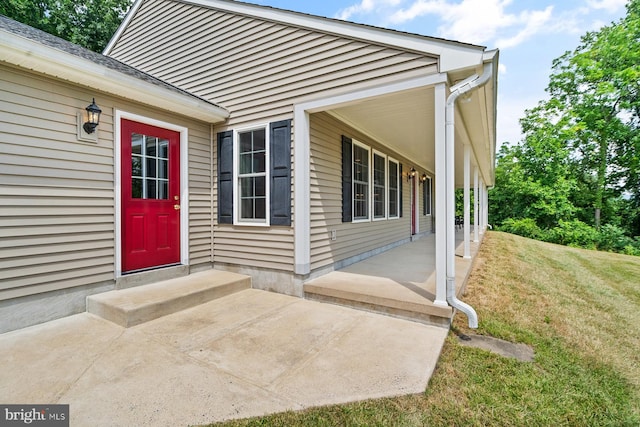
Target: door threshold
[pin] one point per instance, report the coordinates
(131, 279)
(143, 270)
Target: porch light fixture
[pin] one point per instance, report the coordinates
(423, 178)
(411, 174)
(93, 117)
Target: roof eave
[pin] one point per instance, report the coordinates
(30, 54)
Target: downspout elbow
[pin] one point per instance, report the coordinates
(453, 300)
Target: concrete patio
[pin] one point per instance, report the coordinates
(242, 354)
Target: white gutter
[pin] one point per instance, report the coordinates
(461, 88)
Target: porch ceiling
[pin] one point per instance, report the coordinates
(404, 122)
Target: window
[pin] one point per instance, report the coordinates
(371, 184)
(426, 193)
(360, 182)
(252, 175)
(149, 167)
(394, 193)
(379, 186)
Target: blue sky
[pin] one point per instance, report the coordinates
(529, 34)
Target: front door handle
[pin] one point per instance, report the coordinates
(176, 207)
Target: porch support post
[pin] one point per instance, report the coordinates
(481, 207)
(486, 207)
(467, 202)
(301, 192)
(476, 200)
(440, 196)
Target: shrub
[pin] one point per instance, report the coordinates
(573, 233)
(613, 239)
(525, 227)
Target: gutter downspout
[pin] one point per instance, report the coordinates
(461, 88)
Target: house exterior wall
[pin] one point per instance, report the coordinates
(352, 238)
(57, 209)
(258, 70)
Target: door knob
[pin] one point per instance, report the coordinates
(176, 207)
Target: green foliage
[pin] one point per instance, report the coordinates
(573, 233)
(525, 227)
(578, 166)
(532, 183)
(613, 239)
(90, 23)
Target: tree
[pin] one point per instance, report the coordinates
(594, 90)
(90, 23)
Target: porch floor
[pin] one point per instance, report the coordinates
(399, 282)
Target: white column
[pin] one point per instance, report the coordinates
(440, 195)
(476, 201)
(301, 192)
(481, 207)
(467, 202)
(486, 207)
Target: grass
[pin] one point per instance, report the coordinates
(578, 309)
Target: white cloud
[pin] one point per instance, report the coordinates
(366, 6)
(495, 23)
(502, 69)
(610, 6)
(534, 22)
(478, 21)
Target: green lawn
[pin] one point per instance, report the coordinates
(578, 309)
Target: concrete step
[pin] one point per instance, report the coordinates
(133, 306)
(378, 295)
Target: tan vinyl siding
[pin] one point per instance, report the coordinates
(255, 68)
(251, 246)
(56, 193)
(326, 198)
(57, 213)
(258, 70)
(200, 205)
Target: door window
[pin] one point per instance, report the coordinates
(149, 167)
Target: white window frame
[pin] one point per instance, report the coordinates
(385, 185)
(398, 177)
(429, 182)
(353, 182)
(236, 177)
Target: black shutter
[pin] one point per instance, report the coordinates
(225, 177)
(424, 198)
(401, 180)
(280, 146)
(347, 172)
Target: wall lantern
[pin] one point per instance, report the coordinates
(423, 178)
(93, 117)
(411, 174)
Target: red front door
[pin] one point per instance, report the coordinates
(150, 196)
